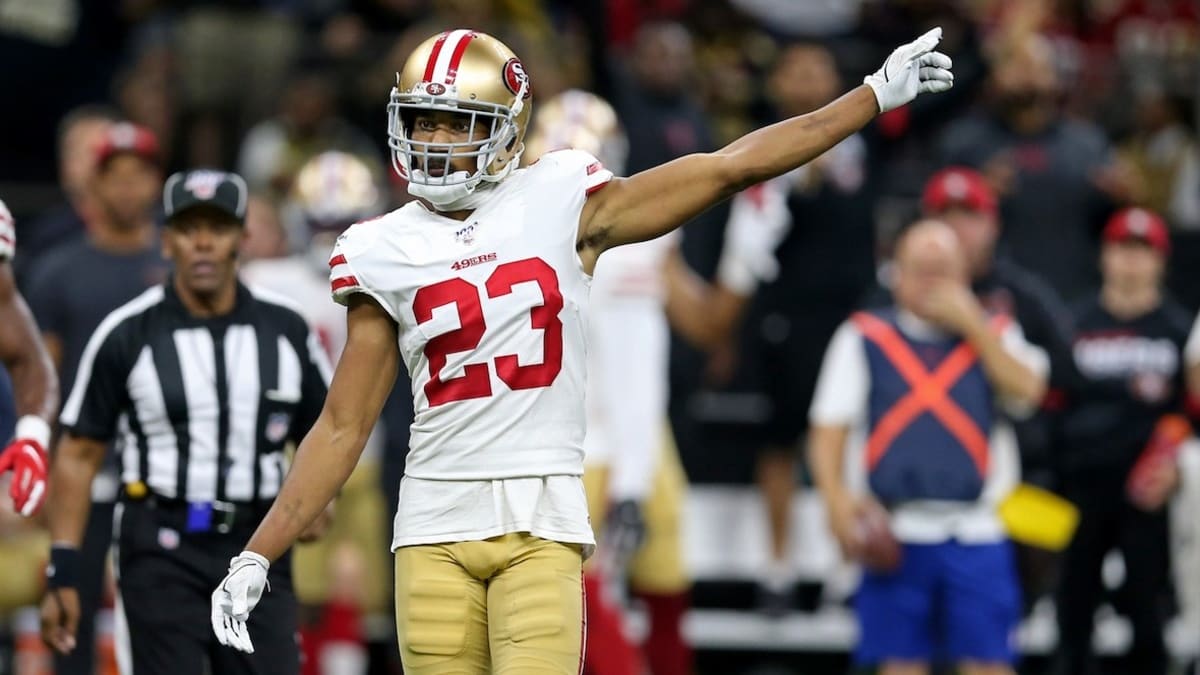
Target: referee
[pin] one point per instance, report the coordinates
(202, 381)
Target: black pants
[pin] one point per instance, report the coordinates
(1108, 521)
(166, 579)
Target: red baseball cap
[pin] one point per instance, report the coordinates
(127, 137)
(958, 186)
(1137, 224)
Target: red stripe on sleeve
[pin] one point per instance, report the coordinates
(342, 282)
(336, 260)
(594, 167)
(595, 187)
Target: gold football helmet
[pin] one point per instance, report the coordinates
(460, 71)
(331, 192)
(581, 120)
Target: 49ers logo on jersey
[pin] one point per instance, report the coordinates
(476, 260)
(514, 76)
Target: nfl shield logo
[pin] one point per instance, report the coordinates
(168, 538)
(203, 184)
(277, 426)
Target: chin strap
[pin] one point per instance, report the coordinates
(452, 197)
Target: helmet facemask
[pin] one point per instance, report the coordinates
(418, 161)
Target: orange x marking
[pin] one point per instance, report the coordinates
(930, 393)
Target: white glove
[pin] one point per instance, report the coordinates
(758, 221)
(235, 597)
(912, 69)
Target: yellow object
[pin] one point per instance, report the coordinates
(1039, 517)
(510, 605)
(136, 490)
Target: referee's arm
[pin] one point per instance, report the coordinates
(88, 418)
(331, 449)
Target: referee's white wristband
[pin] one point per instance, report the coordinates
(35, 429)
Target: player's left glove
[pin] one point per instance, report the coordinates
(624, 532)
(236, 596)
(27, 459)
(911, 69)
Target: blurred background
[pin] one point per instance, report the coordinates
(1071, 109)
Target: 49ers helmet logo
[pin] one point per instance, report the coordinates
(435, 89)
(514, 77)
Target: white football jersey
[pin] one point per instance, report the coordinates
(628, 351)
(8, 234)
(298, 278)
(492, 318)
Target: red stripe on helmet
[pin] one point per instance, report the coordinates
(456, 57)
(433, 55)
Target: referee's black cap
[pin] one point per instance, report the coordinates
(221, 190)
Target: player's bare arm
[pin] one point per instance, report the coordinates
(76, 463)
(705, 314)
(331, 449)
(21, 350)
(34, 382)
(658, 200)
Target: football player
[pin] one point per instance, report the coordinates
(34, 382)
(480, 286)
(635, 483)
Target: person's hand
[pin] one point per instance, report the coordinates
(952, 306)
(843, 522)
(60, 618)
(236, 596)
(624, 532)
(911, 69)
(319, 526)
(29, 465)
(1155, 486)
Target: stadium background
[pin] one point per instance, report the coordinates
(261, 85)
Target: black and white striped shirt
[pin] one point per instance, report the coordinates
(203, 403)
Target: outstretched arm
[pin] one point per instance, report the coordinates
(658, 200)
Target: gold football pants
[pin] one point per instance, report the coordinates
(509, 605)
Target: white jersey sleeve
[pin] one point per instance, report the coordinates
(8, 234)
(346, 279)
(595, 175)
(844, 383)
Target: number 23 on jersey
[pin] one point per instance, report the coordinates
(475, 382)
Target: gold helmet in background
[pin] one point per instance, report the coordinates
(460, 71)
(331, 192)
(581, 120)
